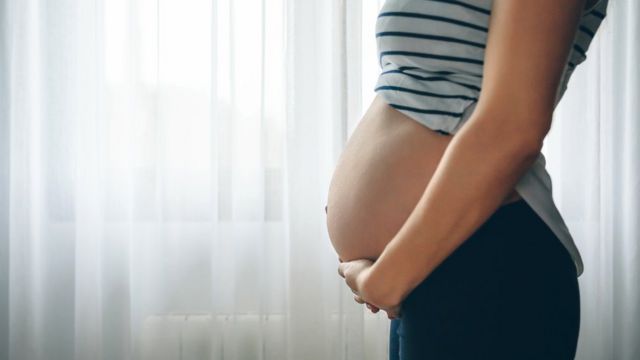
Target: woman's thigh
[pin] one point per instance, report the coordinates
(509, 292)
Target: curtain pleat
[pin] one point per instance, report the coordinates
(593, 150)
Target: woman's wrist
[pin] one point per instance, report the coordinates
(381, 285)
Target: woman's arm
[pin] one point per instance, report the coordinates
(527, 48)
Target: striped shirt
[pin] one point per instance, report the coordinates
(431, 55)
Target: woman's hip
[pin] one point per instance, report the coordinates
(510, 289)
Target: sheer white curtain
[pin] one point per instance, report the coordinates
(164, 167)
(594, 158)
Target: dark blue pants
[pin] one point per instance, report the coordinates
(510, 291)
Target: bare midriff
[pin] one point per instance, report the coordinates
(381, 174)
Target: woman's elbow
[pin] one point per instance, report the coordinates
(522, 131)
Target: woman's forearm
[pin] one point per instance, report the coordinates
(479, 168)
(526, 54)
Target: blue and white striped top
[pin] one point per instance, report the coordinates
(431, 55)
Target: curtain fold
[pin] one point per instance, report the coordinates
(164, 167)
(594, 154)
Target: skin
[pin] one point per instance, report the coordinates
(527, 47)
(373, 192)
(367, 183)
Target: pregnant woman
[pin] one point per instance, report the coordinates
(440, 208)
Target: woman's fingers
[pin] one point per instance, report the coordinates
(373, 308)
(359, 300)
(394, 312)
(391, 315)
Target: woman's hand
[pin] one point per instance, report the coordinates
(355, 273)
(392, 312)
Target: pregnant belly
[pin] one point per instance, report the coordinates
(380, 176)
